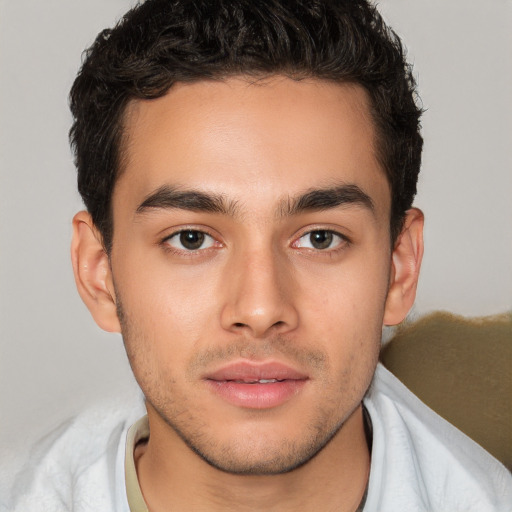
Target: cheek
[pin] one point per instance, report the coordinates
(346, 308)
(167, 303)
(352, 294)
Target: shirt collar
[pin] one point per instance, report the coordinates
(139, 431)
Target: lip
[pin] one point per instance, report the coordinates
(240, 383)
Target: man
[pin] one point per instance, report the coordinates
(249, 170)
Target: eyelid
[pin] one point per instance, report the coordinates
(344, 240)
(164, 241)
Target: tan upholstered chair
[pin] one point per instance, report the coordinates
(461, 368)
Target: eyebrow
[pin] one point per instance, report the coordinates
(167, 197)
(326, 199)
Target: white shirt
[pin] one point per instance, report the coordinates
(419, 462)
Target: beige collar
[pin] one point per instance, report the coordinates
(139, 431)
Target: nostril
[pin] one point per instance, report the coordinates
(240, 325)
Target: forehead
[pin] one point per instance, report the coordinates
(273, 136)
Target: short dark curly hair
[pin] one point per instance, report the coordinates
(161, 42)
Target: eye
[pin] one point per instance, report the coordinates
(190, 240)
(320, 239)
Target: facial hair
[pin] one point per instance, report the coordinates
(240, 456)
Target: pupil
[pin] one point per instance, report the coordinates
(321, 239)
(192, 239)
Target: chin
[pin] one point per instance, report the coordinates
(258, 455)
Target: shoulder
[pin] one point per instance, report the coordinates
(78, 466)
(420, 460)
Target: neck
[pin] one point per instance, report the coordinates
(173, 477)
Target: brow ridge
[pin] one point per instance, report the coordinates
(167, 197)
(325, 199)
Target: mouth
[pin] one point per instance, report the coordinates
(255, 385)
(259, 381)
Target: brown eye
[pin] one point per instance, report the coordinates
(320, 239)
(190, 240)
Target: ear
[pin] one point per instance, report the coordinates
(93, 275)
(405, 268)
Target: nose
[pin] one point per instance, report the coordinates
(259, 295)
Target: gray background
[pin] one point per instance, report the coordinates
(53, 358)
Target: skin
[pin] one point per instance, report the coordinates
(259, 289)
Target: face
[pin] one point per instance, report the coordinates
(251, 264)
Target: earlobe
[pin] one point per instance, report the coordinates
(92, 272)
(405, 268)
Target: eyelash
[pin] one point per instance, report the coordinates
(343, 242)
(165, 242)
